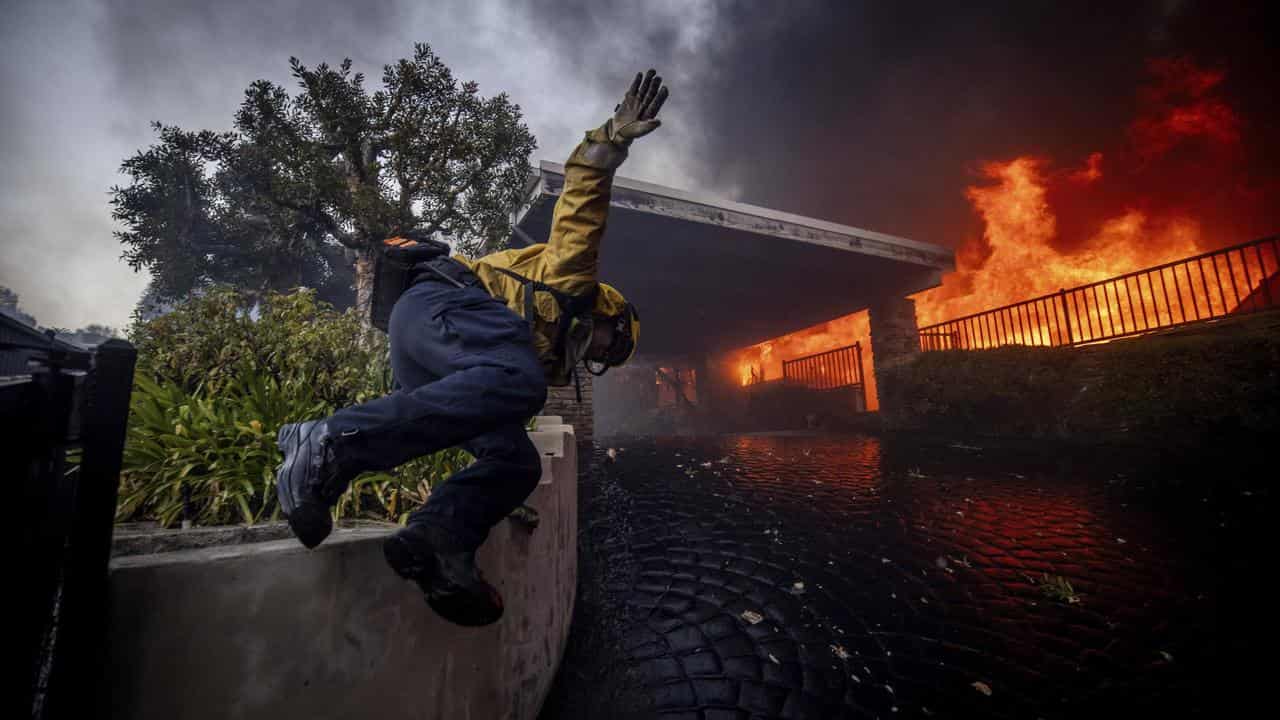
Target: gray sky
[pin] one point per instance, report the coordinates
(875, 114)
(82, 81)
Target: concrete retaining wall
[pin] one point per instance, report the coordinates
(271, 630)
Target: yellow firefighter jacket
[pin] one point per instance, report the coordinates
(567, 262)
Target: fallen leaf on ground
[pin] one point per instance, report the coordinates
(751, 616)
(982, 687)
(840, 652)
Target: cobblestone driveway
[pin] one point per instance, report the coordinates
(758, 577)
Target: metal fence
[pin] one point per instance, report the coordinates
(1236, 280)
(828, 370)
(63, 410)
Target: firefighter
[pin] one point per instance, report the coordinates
(474, 345)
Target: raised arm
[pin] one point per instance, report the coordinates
(578, 223)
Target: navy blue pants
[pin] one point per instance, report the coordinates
(466, 375)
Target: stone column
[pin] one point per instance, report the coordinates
(895, 339)
(563, 401)
(704, 382)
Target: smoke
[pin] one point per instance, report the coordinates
(880, 115)
(83, 80)
(873, 114)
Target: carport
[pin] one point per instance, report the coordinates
(710, 275)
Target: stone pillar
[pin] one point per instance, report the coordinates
(704, 382)
(563, 401)
(895, 339)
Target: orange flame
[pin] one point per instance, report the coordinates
(1020, 260)
(763, 362)
(1144, 204)
(1178, 169)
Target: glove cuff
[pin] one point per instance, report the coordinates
(601, 149)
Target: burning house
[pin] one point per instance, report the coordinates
(749, 315)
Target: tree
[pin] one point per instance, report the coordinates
(9, 306)
(305, 183)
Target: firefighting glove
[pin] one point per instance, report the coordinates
(636, 116)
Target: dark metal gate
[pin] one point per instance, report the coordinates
(64, 410)
(832, 370)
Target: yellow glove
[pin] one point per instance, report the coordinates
(605, 147)
(636, 116)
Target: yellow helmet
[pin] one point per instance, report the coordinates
(626, 336)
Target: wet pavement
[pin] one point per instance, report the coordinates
(833, 577)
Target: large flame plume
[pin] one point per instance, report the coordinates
(1173, 185)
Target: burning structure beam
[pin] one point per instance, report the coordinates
(710, 275)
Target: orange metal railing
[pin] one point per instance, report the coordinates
(1232, 281)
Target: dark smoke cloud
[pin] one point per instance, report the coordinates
(873, 114)
(879, 114)
(884, 112)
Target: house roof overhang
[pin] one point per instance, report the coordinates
(709, 275)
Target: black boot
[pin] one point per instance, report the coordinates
(308, 482)
(446, 572)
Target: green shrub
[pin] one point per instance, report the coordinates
(209, 340)
(1002, 391)
(1185, 388)
(213, 453)
(214, 385)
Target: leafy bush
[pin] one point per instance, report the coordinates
(1183, 389)
(214, 385)
(210, 454)
(208, 341)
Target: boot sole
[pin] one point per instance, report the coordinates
(284, 488)
(407, 563)
(469, 607)
(310, 523)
